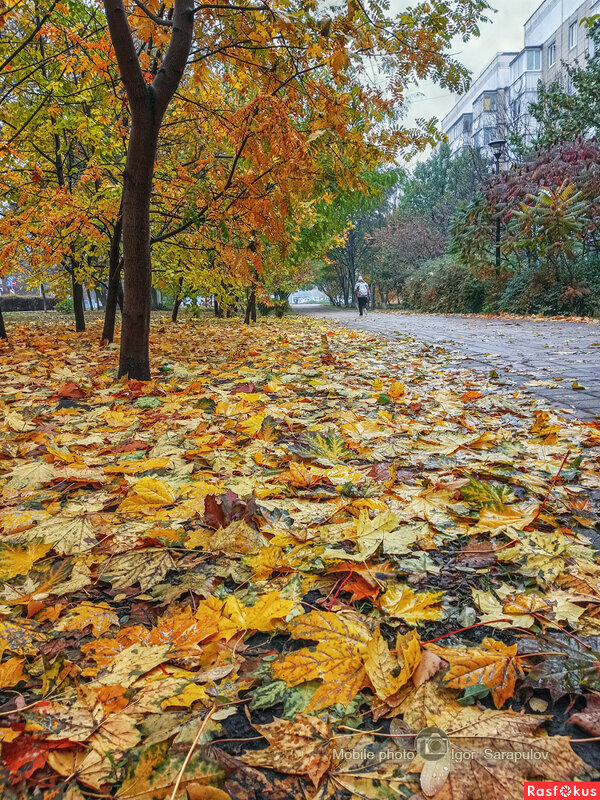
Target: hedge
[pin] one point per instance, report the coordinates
(16, 302)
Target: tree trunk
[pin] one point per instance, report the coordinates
(78, 304)
(43, 293)
(134, 358)
(115, 265)
(154, 301)
(251, 307)
(90, 301)
(177, 302)
(148, 104)
(3, 334)
(217, 307)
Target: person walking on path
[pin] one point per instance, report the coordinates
(362, 292)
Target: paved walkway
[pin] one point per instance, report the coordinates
(543, 357)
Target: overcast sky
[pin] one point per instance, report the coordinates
(503, 32)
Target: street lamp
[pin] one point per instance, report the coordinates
(497, 148)
(371, 242)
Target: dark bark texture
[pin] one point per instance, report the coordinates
(148, 104)
(251, 307)
(3, 334)
(115, 266)
(78, 305)
(177, 303)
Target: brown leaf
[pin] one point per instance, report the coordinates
(429, 666)
(589, 718)
(302, 747)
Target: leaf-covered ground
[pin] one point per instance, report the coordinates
(237, 580)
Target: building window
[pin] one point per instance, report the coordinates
(552, 54)
(572, 35)
(488, 102)
(534, 59)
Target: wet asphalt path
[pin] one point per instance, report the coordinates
(544, 357)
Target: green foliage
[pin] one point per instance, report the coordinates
(344, 224)
(16, 302)
(65, 306)
(444, 285)
(535, 290)
(550, 225)
(442, 183)
(280, 307)
(549, 242)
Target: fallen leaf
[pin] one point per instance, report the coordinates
(301, 747)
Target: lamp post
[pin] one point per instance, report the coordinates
(497, 148)
(371, 242)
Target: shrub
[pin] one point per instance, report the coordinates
(65, 305)
(542, 290)
(445, 286)
(16, 302)
(280, 307)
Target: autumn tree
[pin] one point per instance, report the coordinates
(61, 180)
(15, 40)
(402, 246)
(550, 235)
(264, 51)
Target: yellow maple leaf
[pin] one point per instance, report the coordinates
(412, 607)
(396, 390)
(503, 517)
(192, 693)
(148, 495)
(252, 425)
(337, 660)
(269, 612)
(18, 559)
(15, 521)
(387, 671)
(303, 476)
(11, 672)
(135, 467)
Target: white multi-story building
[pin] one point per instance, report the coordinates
(474, 118)
(497, 103)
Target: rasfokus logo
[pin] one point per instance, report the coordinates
(562, 789)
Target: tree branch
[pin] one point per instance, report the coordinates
(172, 68)
(26, 41)
(166, 23)
(122, 40)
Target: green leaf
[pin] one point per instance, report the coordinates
(206, 404)
(575, 669)
(268, 695)
(148, 402)
(473, 693)
(486, 495)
